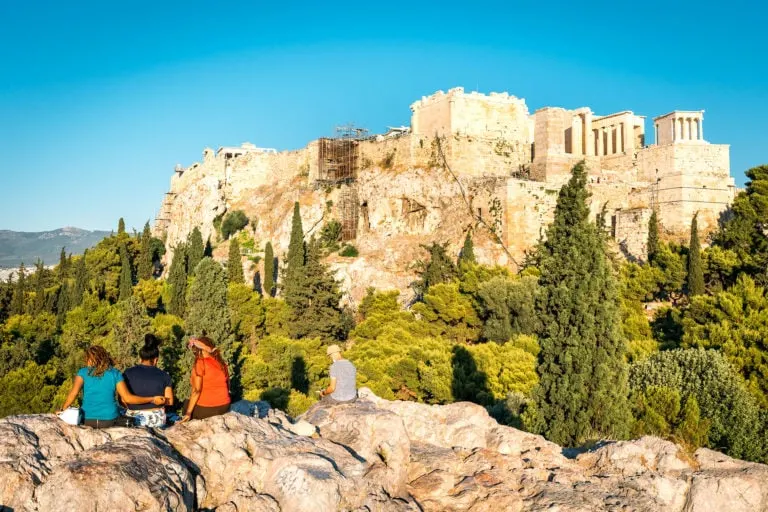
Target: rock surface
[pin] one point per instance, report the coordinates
(373, 455)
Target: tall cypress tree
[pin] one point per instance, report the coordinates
(38, 305)
(62, 304)
(177, 281)
(19, 292)
(269, 271)
(146, 263)
(294, 268)
(120, 226)
(63, 270)
(695, 269)
(652, 246)
(468, 250)
(195, 249)
(235, 262)
(582, 392)
(81, 281)
(126, 274)
(315, 310)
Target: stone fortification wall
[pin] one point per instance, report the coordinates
(630, 231)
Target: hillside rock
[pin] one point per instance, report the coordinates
(372, 455)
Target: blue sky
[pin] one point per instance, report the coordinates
(98, 101)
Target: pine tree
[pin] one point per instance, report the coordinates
(439, 269)
(695, 269)
(653, 237)
(195, 249)
(129, 332)
(269, 271)
(235, 262)
(146, 263)
(315, 310)
(126, 275)
(19, 292)
(120, 226)
(468, 250)
(582, 392)
(177, 282)
(81, 281)
(294, 268)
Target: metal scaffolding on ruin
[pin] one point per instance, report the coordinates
(338, 157)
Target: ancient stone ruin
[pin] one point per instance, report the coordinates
(468, 161)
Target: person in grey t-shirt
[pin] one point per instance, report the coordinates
(343, 386)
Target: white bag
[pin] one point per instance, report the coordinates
(72, 416)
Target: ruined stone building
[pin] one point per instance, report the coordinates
(468, 161)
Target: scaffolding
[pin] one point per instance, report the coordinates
(338, 157)
(348, 208)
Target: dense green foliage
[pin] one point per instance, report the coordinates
(195, 248)
(695, 268)
(177, 282)
(146, 257)
(270, 268)
(126, 275)
(233, 222)
(652, 246)
(235, 263)
(582, 391)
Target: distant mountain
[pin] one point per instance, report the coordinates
(18, 246)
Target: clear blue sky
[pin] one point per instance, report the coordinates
(99, 100)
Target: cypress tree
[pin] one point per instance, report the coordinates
(235, 263)
(129, 331)
(177, 282)
(120, 226)
(38, 306)
(63, 264)
(195, 249)
(439, 269)
(582, 392)
(695, 269)
(19, 292)
(315, 310)
(269, 271)
(653, 237)
(81, 281)
(294, 268)
(468, 250)
(146, 261)
(126, 275)
(62, 304)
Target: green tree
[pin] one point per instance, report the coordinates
(146, 257)
(269, 271)
(246, 311)
(81, 281)
(695, 268)
(195, 249)
(30, 389)
(468, 250)
(19, 301)
(294, 265)
(63, 269)
(508, 307)
(652, 247)
(126, 275)
(235, 263)
(449, 313)
(233, 222)
(582, 391)
(315, 300)
(133, 323)
(121, 226)
(177, 282)
(438, 269)
(63, 296)
(38, 304)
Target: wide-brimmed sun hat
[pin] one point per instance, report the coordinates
(333, 349)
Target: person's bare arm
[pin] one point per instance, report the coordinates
(168, 395)
(330, 389)
(197, 388)
(77, 385)
(131, 399)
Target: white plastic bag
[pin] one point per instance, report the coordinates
(71, 416)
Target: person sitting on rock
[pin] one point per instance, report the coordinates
(99, 380)
(146, 379)
(343, 386)
(210, 382)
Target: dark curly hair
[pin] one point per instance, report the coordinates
(99, 359)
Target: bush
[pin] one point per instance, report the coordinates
(233, 222)
(719, 392)
(330, 235)
(660, 411)
(30, 389)
(348, 251)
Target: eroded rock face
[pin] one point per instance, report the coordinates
(372, 455)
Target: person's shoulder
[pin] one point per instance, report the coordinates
(114, 372)
(128, 371)
(82, 372)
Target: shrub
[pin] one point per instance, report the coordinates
(330, 235)
(233, 222)
(348, 251)
(719, 392)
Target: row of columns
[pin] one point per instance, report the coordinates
(612, 139)
(684, 128)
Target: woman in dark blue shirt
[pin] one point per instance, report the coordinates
(146, 379)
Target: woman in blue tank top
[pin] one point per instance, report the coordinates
(100, 381)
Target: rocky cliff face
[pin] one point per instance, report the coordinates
(373, 455)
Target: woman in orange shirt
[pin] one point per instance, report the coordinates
(210, 382)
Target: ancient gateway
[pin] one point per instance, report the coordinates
(468, 161)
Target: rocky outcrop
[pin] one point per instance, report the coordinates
(372, 455)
